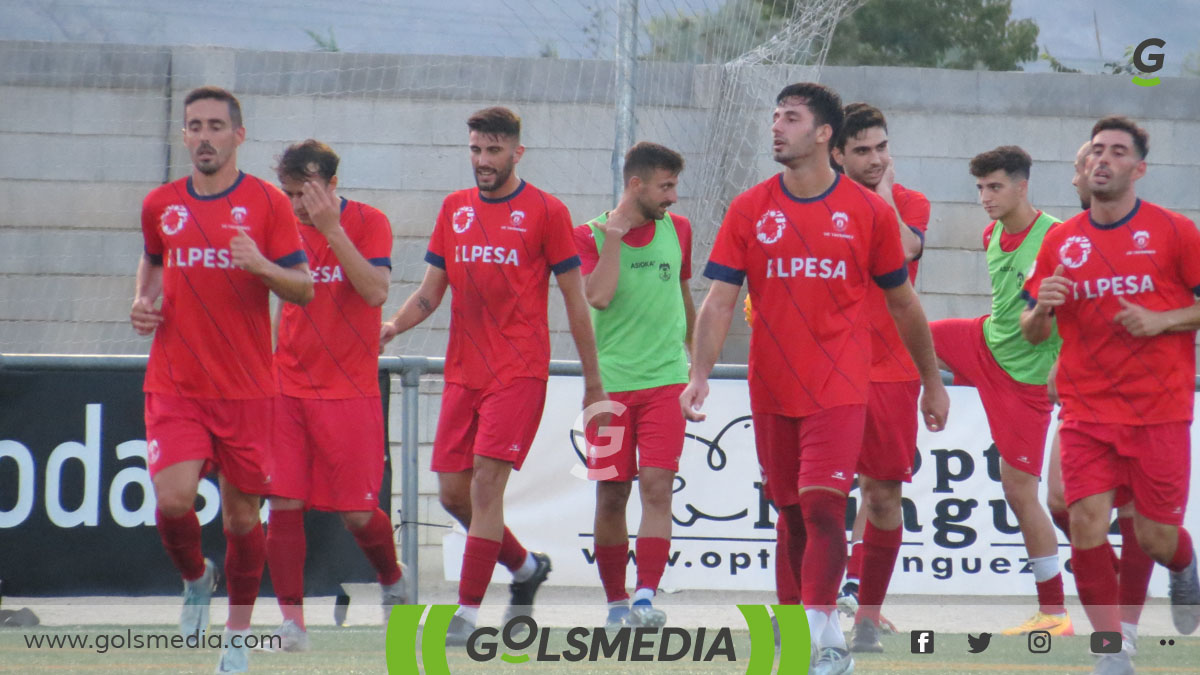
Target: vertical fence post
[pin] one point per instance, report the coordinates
(626, 59)
(410, 380)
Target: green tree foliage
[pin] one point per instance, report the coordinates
(711, 37)
(961, 34)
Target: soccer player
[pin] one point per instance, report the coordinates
(990, 354)
(1134, 567)
(636, 265)
(890, 434)
(809, 243)
(1120, 281)
(216, 243)
(496, 246)
(328, 443)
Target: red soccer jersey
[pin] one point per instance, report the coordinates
(809, 264)
(498, 255)
(329, 348)
(1150, 258)
(637, 237)
(890, 361)
(215, 338)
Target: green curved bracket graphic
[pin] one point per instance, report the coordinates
(433, 639)
(509, 658)
(400, 647)
(1146, 81)
(795, 644)
(762, 639)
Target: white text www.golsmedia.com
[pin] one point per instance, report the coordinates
(102, 642)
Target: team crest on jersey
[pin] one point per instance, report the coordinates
(1075, 251)
(664, 271)
(238, 213)
(152, 452)
(516, 221)
(840, 221)
(769, 228)
(1141, 239)
(462, 219)
(173, 218)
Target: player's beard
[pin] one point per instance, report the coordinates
(500, 177)
(209, 164)
(652, 211)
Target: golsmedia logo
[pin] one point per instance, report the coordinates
(521, 640)
(1151, 66)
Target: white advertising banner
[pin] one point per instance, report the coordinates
(960, 538)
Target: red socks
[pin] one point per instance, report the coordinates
(1134, 577)
(1050, 595)
(611, 562)
(1096, 581)
(286, 548)
(181, 539)
(824, 552)
(652, 555)
(245, 555)
(787, 588)
(854, 566)
(375, 540)
(1183, 552)
(512, 553)
(879, 551)
(479, 561)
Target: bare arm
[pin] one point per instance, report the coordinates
(324, 209)
(712, 325)
(910, 241)
(689, 313)
(144, 317)
(600, 286)
(1037, 322)
(1142, 322)
(910, 320)
(292, 284)
(580, 321)
(418, 306)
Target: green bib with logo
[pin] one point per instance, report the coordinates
(1024, 362)
(640, 335)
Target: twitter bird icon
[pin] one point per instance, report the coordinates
(978, 644)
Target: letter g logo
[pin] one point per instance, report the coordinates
(1148, 63)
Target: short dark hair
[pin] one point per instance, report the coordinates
(1013, 160)
(496, 121)
(822, 101)
(217, 94)
(307, 159)
(857, 118)
(1141, 138)
(645, 156)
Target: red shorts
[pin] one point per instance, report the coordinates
(1018, 414)
(1151, 462)
(329, 453)
(231, 436)
(819, 450)
(499, 421)
(889, 445)
(649, 433)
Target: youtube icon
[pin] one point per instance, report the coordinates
(1106, 642)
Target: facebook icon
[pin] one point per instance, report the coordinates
(922, 641)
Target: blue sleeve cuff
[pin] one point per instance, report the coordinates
(1196, 290)
(566, 265)
(381, 262)
(292, 259)
(435, 260)
(892, 279)
(155, 260)
(921, 236)
(719, 272)
(1030, 301)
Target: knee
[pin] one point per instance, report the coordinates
(1019, 495)
(240, 521)
(457, 505)
(1158, 543)
(612, 498)
(174, 502)
(1055, 502)
(356, 520)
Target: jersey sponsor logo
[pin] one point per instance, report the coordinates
(462, 219)
(488, 254)
(813, 268)
(173, 218)
(664, 271)
(769, 227)
(640, 264)
(516, 221)
(1128, 285)
(326, 274)
(1075, 251)
(211, 258)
